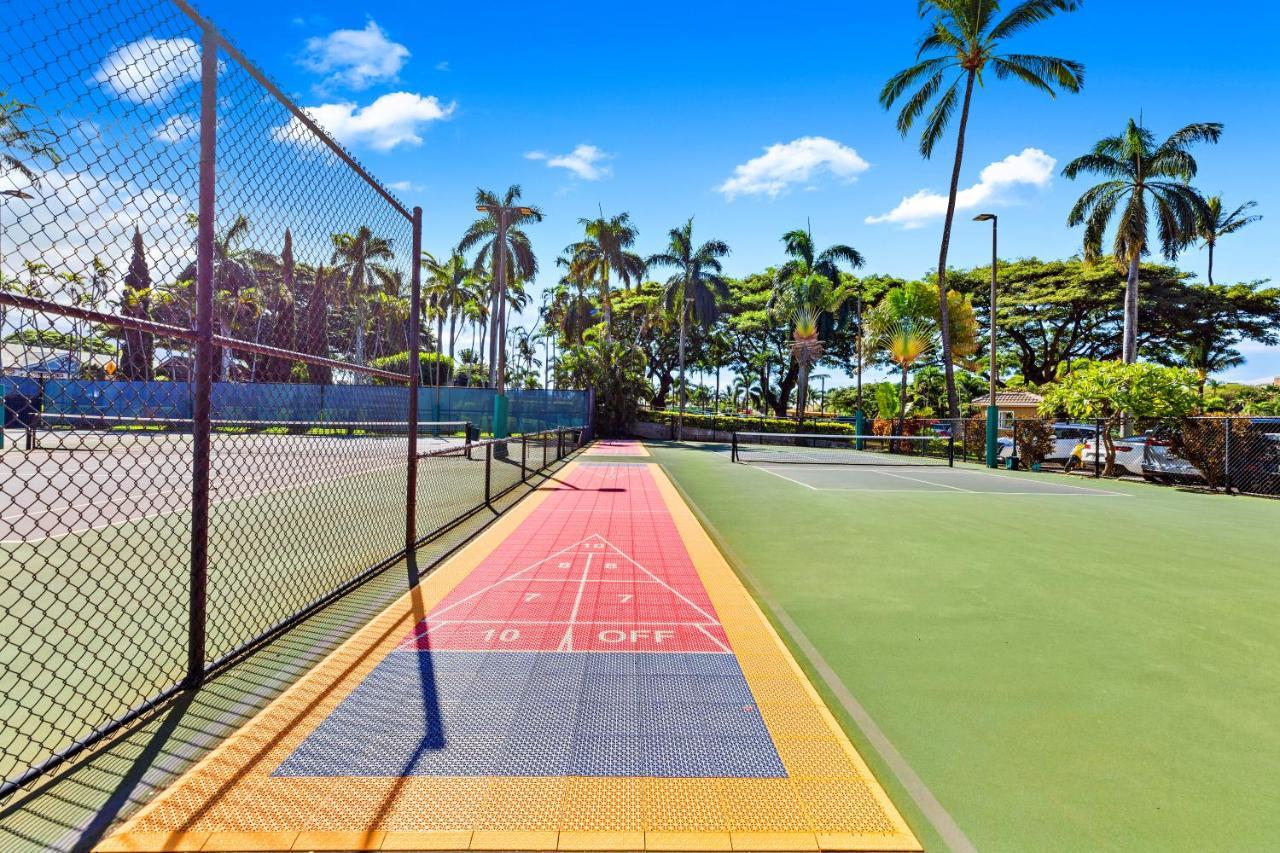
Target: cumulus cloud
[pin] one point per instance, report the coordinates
(585, 161)
(404, 186)
(150, 69)
(394, 119)
(355, 59)
(179, 128)
(996, 185)
(799, 161)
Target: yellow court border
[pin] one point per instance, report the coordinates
(829, 801)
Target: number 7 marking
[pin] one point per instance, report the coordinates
(623, 599)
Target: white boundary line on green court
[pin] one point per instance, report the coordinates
(944, 489)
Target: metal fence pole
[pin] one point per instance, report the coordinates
(415, 380)
(202, 402)
(524, 457)
(488, 473)
(1226, 454)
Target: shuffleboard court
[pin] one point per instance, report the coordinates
(588, 675)
(962, 479)
(617, 447)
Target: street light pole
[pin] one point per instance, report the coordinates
(993, 413)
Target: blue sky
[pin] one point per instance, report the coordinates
(664, 109)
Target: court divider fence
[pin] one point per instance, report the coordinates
(195, 282)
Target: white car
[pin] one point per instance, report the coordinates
(1131, 452)
(1067, 437)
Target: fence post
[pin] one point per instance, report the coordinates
(733, 452)
(1226, 454)
(415, 379)
(488, 473)
(202, 391)
(546, 441)
(1015, 443)
(524, 456)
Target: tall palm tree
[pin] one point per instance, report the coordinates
(571, 306)
(903, 328)
(1207, 358)
(447, 287)
(697, 283)
(803, 258)
(1215, 224)
(519, 260)
(964, 38)
(361, 259)
(1145, 178)
(605, 251)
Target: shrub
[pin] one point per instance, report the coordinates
(975, 436)
(399, 363)
(733, 424)
(1035, 440)
(1203, 443)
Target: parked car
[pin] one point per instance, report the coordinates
(1131, 451)
(1067, 437)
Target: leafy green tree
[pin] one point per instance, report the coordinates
(1215, 223)
(284, 332)
(615, 369)
(969, 37)
(1115, 390)
(696, 284)
(903, 328)
(1144, 178)
(20, 142)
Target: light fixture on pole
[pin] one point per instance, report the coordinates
(993, 414)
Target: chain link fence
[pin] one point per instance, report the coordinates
(194, 283)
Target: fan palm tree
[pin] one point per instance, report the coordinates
(964, 38)
(518, 259)
(1144, 178)
(1215, 224)
(902, 327)
(806, 302)
(361, 259)
(697, 284)
(603, 252)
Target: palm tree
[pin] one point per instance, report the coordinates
(1207, 358)
(903, 328)
(807, 302)
(447, 287)
(517, 257)
(605, 251)
(803, 259)
(967, 36)
(697, 283)
(361, 258)
(20, 143)
(1145, 178)
(1215, 224)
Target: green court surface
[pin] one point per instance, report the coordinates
(1093, 673)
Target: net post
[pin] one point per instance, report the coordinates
(951, 449)
(466, 439)
(733, 455)
(415, 380)
(202, 390)
(524, 456)
(1097, 447)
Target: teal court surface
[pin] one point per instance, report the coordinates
(589, 674)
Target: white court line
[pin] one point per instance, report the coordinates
(436, 622)
(510, 577)
(713, 638)
(926, 482)
(566, 645)
(785, 477)
(711, 619)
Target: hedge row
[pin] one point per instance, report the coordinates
(728, 423)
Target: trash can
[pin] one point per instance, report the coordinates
(1011, 463)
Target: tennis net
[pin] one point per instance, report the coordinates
(808, 449)
(126, 435)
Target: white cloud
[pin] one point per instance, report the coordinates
(585, 161)
(1031, 168)
(355, 58)
(393, 119)
(443, 65)
(404, 186)
(796, 162)
(150, 69)
(179, 128)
